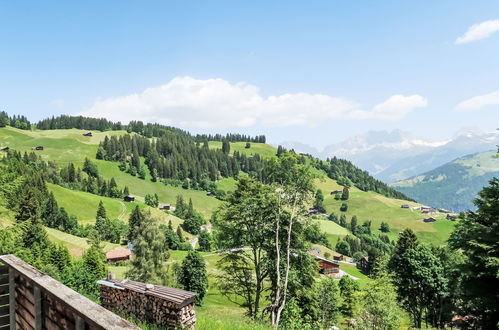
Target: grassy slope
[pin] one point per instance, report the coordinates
(84, 206)
(63, 146)
(167, 194)
(262, 149)
(378, 208)
(76, 245)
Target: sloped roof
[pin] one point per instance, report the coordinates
(177, 296)
(118, 253)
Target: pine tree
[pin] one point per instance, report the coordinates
(193, 275)
(29, 206)
(150, 251)
(134, 222)
(345, 194)
(101, 211)
(353, 225)
(50, 212)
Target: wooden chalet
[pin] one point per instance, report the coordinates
(429, 219)
(428, 210)
(87, 134)
(404, 206)
(327, 266)
(338, 257)
(129, 198)
(165, 207)
(37, 148)
(334, 192)
(168, 308)
(118, 254)
(451, 216)
(444, 211)
(363, 264)
(209, 193)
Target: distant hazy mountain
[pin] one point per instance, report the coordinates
(398, 155)
(454, 185)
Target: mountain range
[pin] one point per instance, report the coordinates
(398, 155)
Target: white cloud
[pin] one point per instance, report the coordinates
(478, 102)
(216, 103)
(479, 31)
(397, 106)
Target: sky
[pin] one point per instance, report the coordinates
(314, 72)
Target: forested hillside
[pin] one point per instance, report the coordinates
(453, 186)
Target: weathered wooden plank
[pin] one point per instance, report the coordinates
(12, 296)
(38, 308)
(4, 300)
(22, 323)
(80, 323)
(78, 304)
(4, 289)
(25, 303)
(4, 278)
(57, 318)
(4, 320)
(5, 327)
(26, 315)
(20, 289)
(51, 325)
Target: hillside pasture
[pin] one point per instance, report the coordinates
(264, 150)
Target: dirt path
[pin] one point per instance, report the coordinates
(194, 242)
(123, 212)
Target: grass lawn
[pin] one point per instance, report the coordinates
(227, 184)
(354, 271)
(76, 245)
(62, 146)
(262, 149)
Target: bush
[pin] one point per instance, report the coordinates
(344, 207)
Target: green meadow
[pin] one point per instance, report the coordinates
(262, 149)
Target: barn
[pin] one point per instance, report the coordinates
(118, 254)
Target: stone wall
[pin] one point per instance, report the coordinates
(149, 308)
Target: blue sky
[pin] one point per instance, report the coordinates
(315, 72)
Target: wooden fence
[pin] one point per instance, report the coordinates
(30, 299)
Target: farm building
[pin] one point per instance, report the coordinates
(164, 207)
(444, 211)
(169, 308)
(429, 219)
(338, 257)
(209, 193)
(327, 266)
(37, 148)
(129, 198)
(451, 216)
(404, 206)
(363, 264)
(428, 210)
(118, 254)
(87, 134)
(4, 149)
